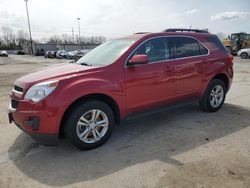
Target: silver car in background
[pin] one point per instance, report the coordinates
(244, 53)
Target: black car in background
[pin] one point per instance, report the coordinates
(19, 52)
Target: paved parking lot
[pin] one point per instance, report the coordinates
(180, 148)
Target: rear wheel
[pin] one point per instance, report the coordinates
(244, 55)
(89, 125)
(214, 96)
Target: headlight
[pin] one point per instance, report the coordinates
(39, 91)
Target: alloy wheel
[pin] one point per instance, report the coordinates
(92, 126)
(216, 96)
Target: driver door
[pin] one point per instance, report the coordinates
(150, 84)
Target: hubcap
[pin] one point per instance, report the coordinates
(216, 96)
(92, 126)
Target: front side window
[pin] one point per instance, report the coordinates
(107, 53)
(185, 47)
(155, 49)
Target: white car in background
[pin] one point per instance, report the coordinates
(244, 53)
(60, 54)
(3, 53)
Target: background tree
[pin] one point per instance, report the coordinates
(8, 36)
(55, 39)
(66, 39)
(221, 35)
(22, 37)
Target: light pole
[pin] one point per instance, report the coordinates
(26, 2)
(79, 32)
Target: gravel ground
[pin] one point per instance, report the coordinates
(180, 148)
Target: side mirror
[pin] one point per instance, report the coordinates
(138, 60)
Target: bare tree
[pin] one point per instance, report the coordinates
(22, 37)
(66, 39)
(54, 40)
(7, 35)
(1, 41)
(221, 35)
(93, 40)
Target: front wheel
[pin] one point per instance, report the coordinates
(214, 97)
(89, 125)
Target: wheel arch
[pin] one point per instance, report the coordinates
(95, 96)
(223, 77)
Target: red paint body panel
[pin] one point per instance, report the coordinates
(133, 89)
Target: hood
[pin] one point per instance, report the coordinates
(51, 73)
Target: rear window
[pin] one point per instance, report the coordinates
(187, 47)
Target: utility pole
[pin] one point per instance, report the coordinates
(73, 37)
(26, 2)
(79, 30)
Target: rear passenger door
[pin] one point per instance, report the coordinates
(188, 58)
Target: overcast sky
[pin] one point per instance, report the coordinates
(113, 18)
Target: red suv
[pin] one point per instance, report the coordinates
(118, 79)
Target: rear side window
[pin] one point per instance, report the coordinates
(186, 47)
(156, 49)
(215, 41)
(203, 50)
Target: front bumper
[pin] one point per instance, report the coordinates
(39, 120)
(34, 123)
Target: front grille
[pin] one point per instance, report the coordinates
(19, 89)
(14, 103)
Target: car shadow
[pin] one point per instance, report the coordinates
(155, 137)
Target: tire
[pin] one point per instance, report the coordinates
(212, 101)
(244, 55)
(82, 131)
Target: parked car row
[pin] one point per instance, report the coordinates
(63, 54)
(4, 53)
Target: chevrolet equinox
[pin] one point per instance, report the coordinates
(118, 79)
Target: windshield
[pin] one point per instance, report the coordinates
(235, 37)
(106, 53)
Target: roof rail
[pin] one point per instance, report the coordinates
(186, 30)
(138, 33)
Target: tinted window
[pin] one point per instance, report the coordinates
(155, 49)
(185, 47)
(203, 50)
(215, 41)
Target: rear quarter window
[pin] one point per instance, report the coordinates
(187, 47)
(203, 50)
(215, 44)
